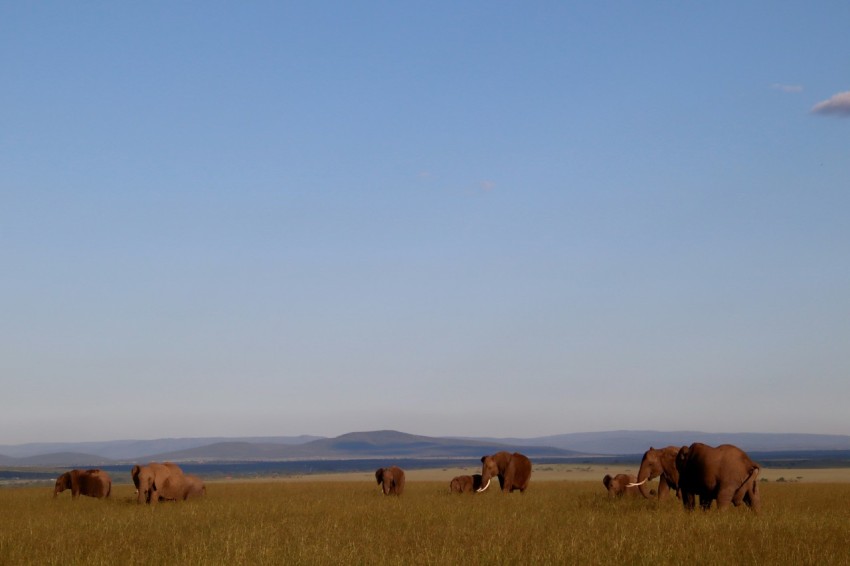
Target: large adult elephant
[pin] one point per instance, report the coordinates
(465, 484)
(391, 480)
(620, 485)
(93, 483)
(724, 473)
(513, 471)
(149, 478)
(180, 487)
(660, 462)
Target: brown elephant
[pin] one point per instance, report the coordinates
(180, 487)
(724, 473)
(93, 483)
(620, 485)
(465, 484)
(391, 480)
(513, 471)
(658, 462)
(148, 479)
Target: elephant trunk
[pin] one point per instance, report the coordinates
(644, 475)
(644, 489)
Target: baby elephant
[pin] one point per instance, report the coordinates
(618, 485)
(93, 483)
(181, 488)
(465, 484)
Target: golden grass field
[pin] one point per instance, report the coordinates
(565, 517)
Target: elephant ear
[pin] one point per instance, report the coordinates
(606, 480)
(483, 459)
(379, 475)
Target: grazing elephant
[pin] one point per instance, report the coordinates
(465, 484)
(658, 462)
(181, 487)
(148, 479)
(391, 480)
(94, 483)
(724, 473)
(621, 484)
(513, 471)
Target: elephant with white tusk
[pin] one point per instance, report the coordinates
(391, 480)
(513, 471)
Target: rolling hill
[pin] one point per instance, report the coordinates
(394, 444)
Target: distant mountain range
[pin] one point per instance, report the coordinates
(393, 444)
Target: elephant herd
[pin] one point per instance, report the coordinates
(512, 470)
(154, 482)
(724, 474)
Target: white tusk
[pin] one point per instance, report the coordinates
(480, 489)
(637, 484)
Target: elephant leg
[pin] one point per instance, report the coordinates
(705, 500)
(663, 488)
(510, 473)
(725, 497)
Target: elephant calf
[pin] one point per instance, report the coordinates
(465, 484)
(181, 488)
(620, 485)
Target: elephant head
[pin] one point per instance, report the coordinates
(391, 480)
(658, 463)
(513, 471)
(144, 479)
(66, 481)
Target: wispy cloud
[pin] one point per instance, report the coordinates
(838, 105)
(787, 88)
(487, 185)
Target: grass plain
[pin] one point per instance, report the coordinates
(345, 520)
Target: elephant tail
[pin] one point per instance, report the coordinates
(749, 486)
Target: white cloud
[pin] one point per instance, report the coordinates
(787, 88)
(838, 105)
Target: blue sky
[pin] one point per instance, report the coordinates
(445, 218)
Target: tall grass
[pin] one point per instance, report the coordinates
(352, 523)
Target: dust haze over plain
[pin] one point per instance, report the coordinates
(466, 220)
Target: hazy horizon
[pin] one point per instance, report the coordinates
(452, 220)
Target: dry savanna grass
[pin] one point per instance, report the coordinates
(346, 520)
